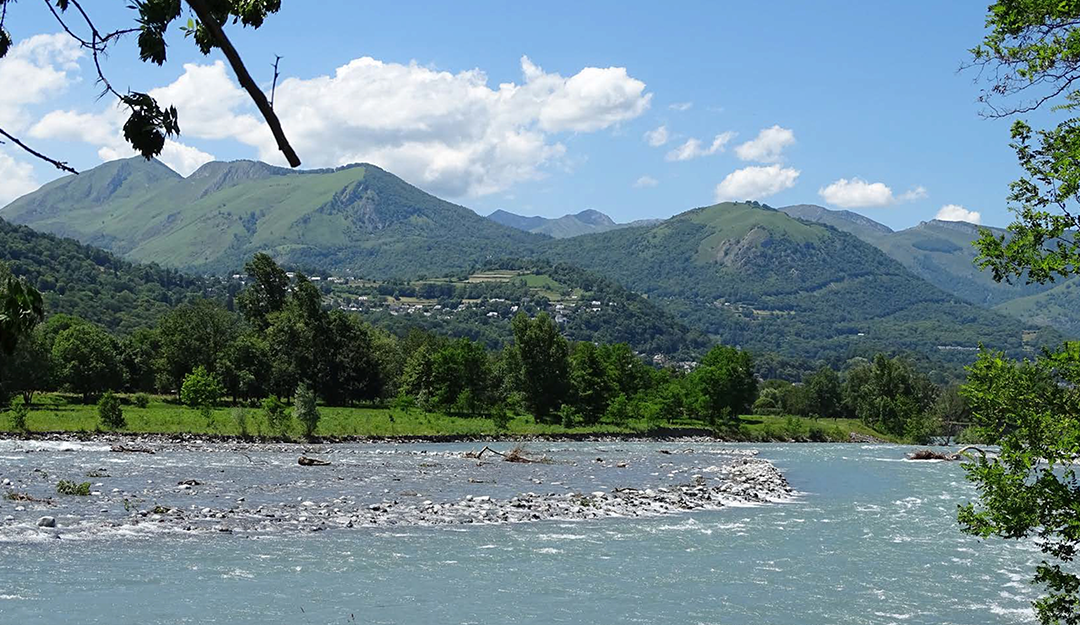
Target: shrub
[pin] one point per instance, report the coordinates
(307, 413)
(277, 415)
(67, 487)
(202, 390)
(19, 412)
(109, 411)
(141, 400)
(500, 416)
(568, 416)
(240, 417)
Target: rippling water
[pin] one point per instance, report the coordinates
(870, 539)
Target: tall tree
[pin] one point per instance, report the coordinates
(86, 360)
(545, 363)
(267, 291)
(824, 390)
(590, 382)
(21, 309)
(1031, 56)
(726, 383)
(192, 335)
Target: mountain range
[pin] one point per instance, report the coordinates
(588, 221)
(805, 282)
(941, 252)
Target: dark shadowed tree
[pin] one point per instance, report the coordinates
(545, 363)
(266, 292)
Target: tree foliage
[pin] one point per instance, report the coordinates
(150, 123)
(1031, 56)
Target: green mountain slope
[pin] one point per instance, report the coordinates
(586, 222)
(755, 277)
(86, 281)
(941, 252)
(357, 219)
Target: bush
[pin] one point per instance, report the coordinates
(277, 415)
(67, 487)
(109, 411)
(568, 416)
(240, 417)
(141, 400)
(19, 412)
(202, 390)
(500, 416)
(307, 412)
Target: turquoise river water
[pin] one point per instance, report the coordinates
(870, 538)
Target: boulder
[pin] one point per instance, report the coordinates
(47, 521)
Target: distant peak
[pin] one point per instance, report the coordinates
(595, 217)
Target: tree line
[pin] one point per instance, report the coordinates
(283, 344)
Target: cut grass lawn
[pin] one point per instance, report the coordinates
(61, 413)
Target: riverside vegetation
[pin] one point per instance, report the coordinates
(235, 372)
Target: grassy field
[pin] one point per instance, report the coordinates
(61, 413)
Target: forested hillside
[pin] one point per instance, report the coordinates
(941, 252)
(82, 280)
(755, 277)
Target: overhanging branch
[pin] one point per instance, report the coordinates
(55, 163)
(207, 19)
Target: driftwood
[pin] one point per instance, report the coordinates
(929, 454)
(121, 449)
(517, 454)
(304, 461)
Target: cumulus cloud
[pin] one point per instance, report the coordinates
(657, 137)
(104, 130)
(858, 193)
(41, 66)
(451, 133)
(693, 148)
(16, 179)
(955, 212)
(645, 181)
(681, 106)
(756, 183)
(918, 193)
(768, 146)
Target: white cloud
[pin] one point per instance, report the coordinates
(657, 137)
(858, 193)
(645, 181)
(918, 193)
(40, 67)
(16, 179)
(693, 148)
(755, 183)
(452, 134)
(955, 212)
(104, 130)
(681, 106)
(768, 146)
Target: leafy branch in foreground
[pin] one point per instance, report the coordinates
(149, 124)
(1032, 410)
(1031, 57)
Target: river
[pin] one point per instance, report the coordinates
(869, 538)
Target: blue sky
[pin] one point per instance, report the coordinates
(862, 103)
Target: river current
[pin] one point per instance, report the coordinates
(869, 538)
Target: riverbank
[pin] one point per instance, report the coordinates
(57, 416)
(66, 490)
